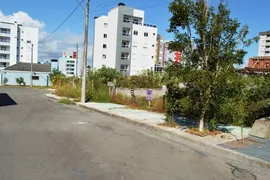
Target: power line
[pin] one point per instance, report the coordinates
(80, 5)
(61, 23)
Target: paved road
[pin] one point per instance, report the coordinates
(43, 140)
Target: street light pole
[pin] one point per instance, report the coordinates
(85, 51)
(31, 78)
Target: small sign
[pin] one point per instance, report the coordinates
(164, 89)
(110, 84)
(149, 95)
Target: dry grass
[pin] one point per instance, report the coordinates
(68, 90)
(66, 101)
(140, 103)
(204, 133)
(171, 124)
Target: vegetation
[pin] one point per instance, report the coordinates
(5, 81)
(211, 43)
(20, 81)
(66, 101)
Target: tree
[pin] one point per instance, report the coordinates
(211, 43)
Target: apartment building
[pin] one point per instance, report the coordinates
(163, 54)
(122, 40)
(69, 64)
(16, 43)
(264, 44)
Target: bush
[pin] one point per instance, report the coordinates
(5, 80)
(69, 91)
(20, 81)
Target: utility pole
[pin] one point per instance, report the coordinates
(31, 78)
(85, 51)
(77, 55)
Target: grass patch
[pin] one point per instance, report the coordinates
(140, 103)
(171, 124)
(69, 91)
(66, 101)
(206, 132)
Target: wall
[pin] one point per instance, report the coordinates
(139, 92)
(44, 78)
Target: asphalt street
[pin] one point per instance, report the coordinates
(41, 139)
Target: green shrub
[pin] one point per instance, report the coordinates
(5, 80)
(20, 81)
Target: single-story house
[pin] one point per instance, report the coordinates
(41, 74)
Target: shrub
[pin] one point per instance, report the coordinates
(69, 91)
(20, 81)
(5, 80)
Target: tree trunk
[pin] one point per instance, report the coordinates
(201, 126)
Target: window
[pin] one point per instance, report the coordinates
(136, 21)
(105, 35)
(104, 46)
(267, 52)
(267, 41)
(154, 34)
(126, 32)
(152, 57)
(123, 68)
(153, 45)
(29, 42)
(124, 56)
(145, 34)
(22, 31)
(21, 55)
(35, 77)
(144, 47)
(21, 47)
(126, 19)
(268, 35)
(267, 46)
(125, 44)
(134, 46)
(105, 24)
(135, 33)
(103, 56)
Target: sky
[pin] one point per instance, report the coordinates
(48, 14)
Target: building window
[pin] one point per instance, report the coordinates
(125, 44)
(135, 33)
(35, 77)
(105, 24)
(103, 56)
(145, 34)
(152, 57)
(124, 56)
(104, 46)
(105, 35)
(154, 34)
(29, 42)
(267, 41)
(124, 68)
(21, 47)
(267, 46)
(144, 47)
(21, 55)
(267, 52)
(153, 45)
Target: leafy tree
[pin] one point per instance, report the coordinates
(211, 43)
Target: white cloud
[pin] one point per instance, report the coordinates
(53, 47)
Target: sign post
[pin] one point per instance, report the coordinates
(149, 96)
(164, 90)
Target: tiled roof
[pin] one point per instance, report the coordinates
(27, 67)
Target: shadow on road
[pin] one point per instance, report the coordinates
(6, 100)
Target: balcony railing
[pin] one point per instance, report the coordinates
(139, 23)
(124, 58)
(125, 46)
(126, 34)
(5, 40)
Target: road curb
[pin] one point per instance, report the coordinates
(189, 141)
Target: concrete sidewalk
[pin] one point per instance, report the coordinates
(151, 121)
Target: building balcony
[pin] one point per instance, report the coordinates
(4, 34)
(139, 23)
(126, 34)
(5, 43)
(4, 51)
(124, 58)
(4, 60)
(125, 46)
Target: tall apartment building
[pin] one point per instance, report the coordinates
(69, 64)
(123, 41)
(264, 44)
(163, 54)
(15, 44)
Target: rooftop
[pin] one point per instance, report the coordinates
(265, 33)
(27, 67)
